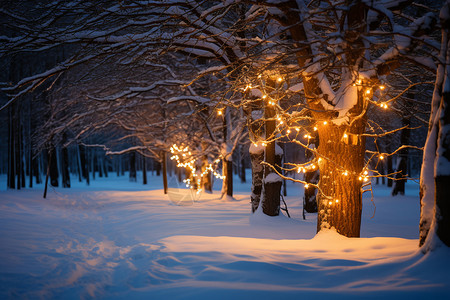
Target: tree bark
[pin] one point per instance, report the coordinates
(272, 182)
(339, 199)
(256, 157)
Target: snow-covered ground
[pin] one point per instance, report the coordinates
(123, 240)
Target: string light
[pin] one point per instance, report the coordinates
(345, 135)
(280, 79)
(315, 128)
(382, 87)
(383, 105)
(190, 164)
(381, 157)
(325, 122)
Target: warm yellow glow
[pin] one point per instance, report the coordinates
(298, 129)
(264, 144)
(383, 105)
(381, 157)
(345, 173)
(255, 144)
(382, 87)
(325, 122)
(337, 201)
(306, 186)
(330, 203)
(368, 91)
(264, 96)
(219, 112)
(280, 79)
(288, 131)
(345, 135)
(315, 128)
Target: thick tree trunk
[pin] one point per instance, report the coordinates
(227, 169)
(272, 182)
(339, 202)
(256, 158)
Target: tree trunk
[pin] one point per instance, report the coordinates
(65, 168)
(256, 158)
(164, 170)
(272, 182)
(207, 177)
(144, 170)
(310, 200)
(227, 169)
(133, 166)
(339, 203)
(54, 174)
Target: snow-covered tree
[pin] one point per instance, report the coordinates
(435, 176)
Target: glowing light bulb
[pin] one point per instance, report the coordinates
(382, 87)
(306, 186)
(325, 122)
(330, 203)
(345, 135)
(381, 157)
(298, 129)
(280, 79)
(219, 112)
(288, 131)
(368, 91)
(264, 96)
(315, 128)
(345, 173)
(337, 201)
